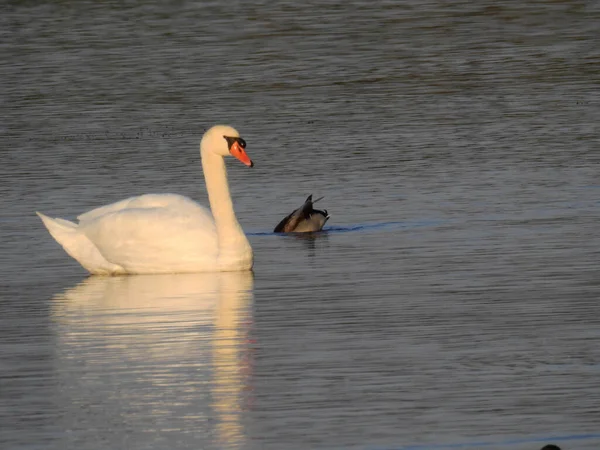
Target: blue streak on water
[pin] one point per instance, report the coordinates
(542, 440)
(364, 227)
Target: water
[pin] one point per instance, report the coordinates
(453, 301)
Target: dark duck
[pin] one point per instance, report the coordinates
(305, 219)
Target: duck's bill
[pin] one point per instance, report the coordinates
(238, 152)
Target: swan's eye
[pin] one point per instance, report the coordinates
(231, 140)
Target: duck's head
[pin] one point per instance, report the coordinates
(224, 140)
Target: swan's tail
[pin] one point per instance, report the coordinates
(78, 246)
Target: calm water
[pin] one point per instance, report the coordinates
(454, 301)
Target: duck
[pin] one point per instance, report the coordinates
(165, 233)
(305, 219)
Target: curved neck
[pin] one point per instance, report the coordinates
(232, 240)
(217, 186)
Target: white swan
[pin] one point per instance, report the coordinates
(165, 233)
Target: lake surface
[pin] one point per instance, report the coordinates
(454, 300)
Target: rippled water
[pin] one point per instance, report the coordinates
(454, 301)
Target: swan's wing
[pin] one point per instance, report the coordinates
(78, 246)
(140, 202)
(180, 236)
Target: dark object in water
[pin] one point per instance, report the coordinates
(550, 447)
(305, 219)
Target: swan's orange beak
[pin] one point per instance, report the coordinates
(238, 152)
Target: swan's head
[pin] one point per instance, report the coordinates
(224, 140)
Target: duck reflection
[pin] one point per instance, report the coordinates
(312, 242)
(169, 350)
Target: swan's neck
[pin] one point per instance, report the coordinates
(234, 248)
(218, 192)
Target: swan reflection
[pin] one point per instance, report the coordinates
(159, 354)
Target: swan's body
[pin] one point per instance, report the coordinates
(165, 233)
(305, 219)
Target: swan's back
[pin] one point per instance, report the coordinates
(146, 201)
(154, 233)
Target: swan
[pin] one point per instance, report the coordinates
(305, 219)
(165, 233)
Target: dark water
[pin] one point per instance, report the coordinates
(454, 301)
